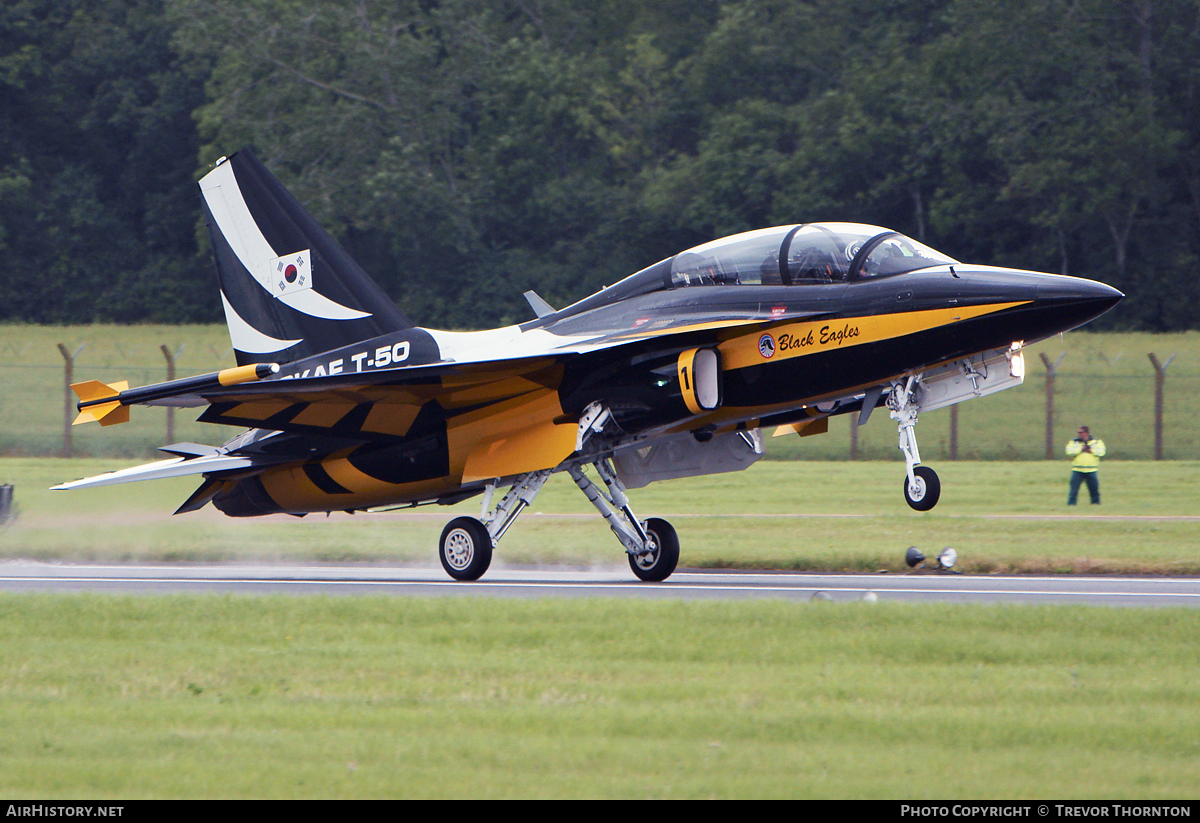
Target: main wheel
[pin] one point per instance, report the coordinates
(658, 564)
(924, 493)
(465, 549)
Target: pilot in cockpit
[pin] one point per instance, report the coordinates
(887, 258)
(769, 270)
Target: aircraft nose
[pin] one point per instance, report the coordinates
(1073, 301)
(1078, 290)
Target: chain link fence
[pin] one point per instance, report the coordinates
(1107, 382)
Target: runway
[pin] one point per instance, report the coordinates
(926, 587)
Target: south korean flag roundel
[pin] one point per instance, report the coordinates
(291, 273)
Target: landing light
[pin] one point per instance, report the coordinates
(1016, 360)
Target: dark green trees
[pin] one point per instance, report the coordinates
(468, 150)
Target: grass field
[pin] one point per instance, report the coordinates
(836, 516)
(131, 697)
(1104, 380)
(289, 697)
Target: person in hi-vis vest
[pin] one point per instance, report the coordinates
(1086, 452)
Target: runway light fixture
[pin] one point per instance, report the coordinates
(947, 558)
(943, 563)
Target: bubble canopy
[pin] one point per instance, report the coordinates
(810, 253)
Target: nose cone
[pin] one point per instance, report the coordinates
(1042, 305)
(1073, 301)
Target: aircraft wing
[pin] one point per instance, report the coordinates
(503, 414)
(383, 403)
(378, 404)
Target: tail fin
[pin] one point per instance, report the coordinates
(288, 288)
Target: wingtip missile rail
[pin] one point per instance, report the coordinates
(108, 403)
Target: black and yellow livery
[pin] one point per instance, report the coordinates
(669, 373)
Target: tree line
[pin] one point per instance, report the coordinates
(467, 150)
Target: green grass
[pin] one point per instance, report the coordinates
(209, 696)
(1104, 380)
(838, 516)
(216, 696)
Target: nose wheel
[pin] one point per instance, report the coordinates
(923, 490)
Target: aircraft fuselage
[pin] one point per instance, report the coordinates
(782, 350)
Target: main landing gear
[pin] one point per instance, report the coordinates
(652, 545)
(921, 485)
(466, 545)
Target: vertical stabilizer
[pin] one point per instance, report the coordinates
(289, 290)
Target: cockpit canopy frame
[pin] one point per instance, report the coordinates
(808, 253)
(793, 255)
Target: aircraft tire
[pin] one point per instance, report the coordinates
(465, 548)
(929, 489)
(657, 567)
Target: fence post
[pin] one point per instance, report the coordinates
(6, 503)
(68, 376)
(1160, 379)
(954, 432)
(1051, 372)
(171, 376)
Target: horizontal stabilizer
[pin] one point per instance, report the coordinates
(176, 467)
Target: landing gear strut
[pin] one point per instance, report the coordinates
(466, 546)
(921, 485)
(653, 546)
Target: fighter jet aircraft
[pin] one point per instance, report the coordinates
(672, 372)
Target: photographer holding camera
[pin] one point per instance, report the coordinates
(1086, 451)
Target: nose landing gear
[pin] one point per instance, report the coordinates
(922, 489)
